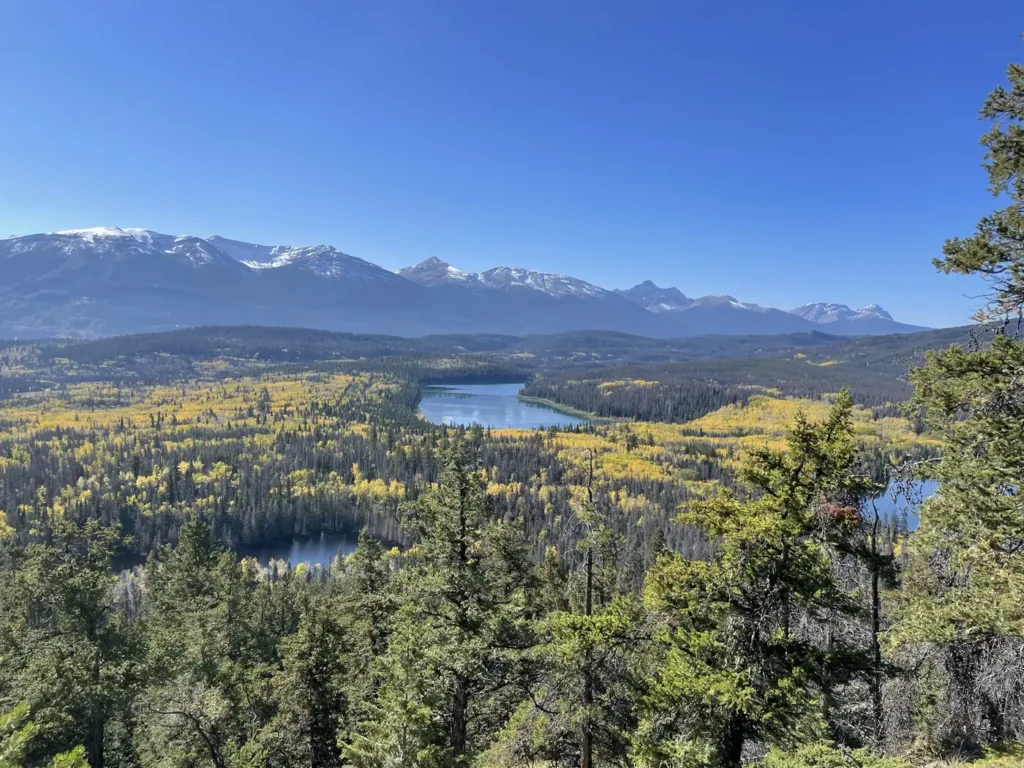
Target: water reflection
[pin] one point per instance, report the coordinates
(904, 498)
(490, 405)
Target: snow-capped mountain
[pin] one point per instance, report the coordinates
(248, 252)
(842, 320)
(523, 301)
(515, 278)
(105, 243)
(433, 272)
(324, 261)
(832, 313)
(725, 300)
(108, 280)
(321, 260)
(655, 299)
(715, 314)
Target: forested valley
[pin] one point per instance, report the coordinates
(701, 576)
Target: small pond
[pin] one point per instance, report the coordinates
(489, 405)
(896, 500)
(314, 550)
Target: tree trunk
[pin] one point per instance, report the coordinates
(460, 703)
(94, 750)
(876, 631)
(587, 746)
(731, 749)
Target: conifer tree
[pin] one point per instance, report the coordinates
(464, 598)
(964, 588)
(310, 688)
(736, 663)
(67, 650)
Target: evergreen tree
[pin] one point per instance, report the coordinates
(68, 652)
(465, 596)
(309, 690)
(213, 638)
(581, 711)
(964, 588)
(737, 662)
(16, 732)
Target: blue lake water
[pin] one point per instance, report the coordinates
(894, 502)
(315, 550)
(489, 405)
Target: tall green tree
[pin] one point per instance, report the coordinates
(214, 633)
(465, 595)
(964, 588)
(738, 663)
(581, 710)
(68, 651)
(310, 689)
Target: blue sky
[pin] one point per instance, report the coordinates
(783, 152)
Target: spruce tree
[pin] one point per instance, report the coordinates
(464, 599)
(737, 663)
(964, 588)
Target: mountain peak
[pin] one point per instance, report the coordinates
(825, 313)
(434, 271)
(559, 286)
(874, 310)
(656, 299)
(92, 234)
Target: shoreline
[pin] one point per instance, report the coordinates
(568, 411)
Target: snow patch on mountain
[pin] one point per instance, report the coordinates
(434, 271)
(249, 252)
(118, 243)
(725, 300)
(92, 234)
(559, 286)
(656, 299)
(825, 313)
(323, 261)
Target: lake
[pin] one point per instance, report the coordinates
(314, 550)
(489, 405)
(893, 502)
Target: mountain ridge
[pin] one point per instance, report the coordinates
(108, 280)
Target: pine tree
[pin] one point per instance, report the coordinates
(964, 588)
(16, 733)
(465, 596)
(310, 688)
(68, 652)
(581, 711)
(737, 663)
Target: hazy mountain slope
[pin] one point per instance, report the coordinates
(106, 281)
(655, 299)
(841, 319)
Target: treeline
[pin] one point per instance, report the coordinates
(680, 392)
(267, 343)
(668, 399)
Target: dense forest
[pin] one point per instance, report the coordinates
(705, 581)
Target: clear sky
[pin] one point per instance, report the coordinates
(784, 152)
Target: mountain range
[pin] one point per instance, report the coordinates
(107, 280)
